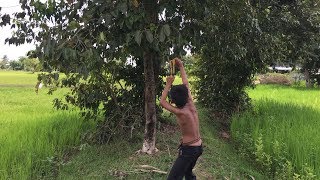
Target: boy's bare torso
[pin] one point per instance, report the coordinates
(187, 116)
(189, 124)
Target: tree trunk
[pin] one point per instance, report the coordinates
(150, 84)
(150, 104)
(309, 83)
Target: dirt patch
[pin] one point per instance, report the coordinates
(224, 135)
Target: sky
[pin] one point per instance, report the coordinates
(13, 52)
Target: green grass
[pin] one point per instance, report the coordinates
(120, 160)
(17, 78)
(33, 136)
(286, 94)
(282, 133)
(38, 142)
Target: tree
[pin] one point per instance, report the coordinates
(21, 60)
(31, 64)
(16, 65)
(306, 36)
(233, 51)
(91, 42)
(293, 25)
(4, 63)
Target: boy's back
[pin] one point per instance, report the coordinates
(189, 124)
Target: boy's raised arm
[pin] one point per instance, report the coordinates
(182, 71)
(163, 100)
(183, 75)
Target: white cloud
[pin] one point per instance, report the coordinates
(12, 51)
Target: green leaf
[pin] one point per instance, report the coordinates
(66, 54)
(128, 38)
(56, 76)
(114, 13)
(123, 8)
(167, 30)
(127, 24)
(73, 25)
(108, 19)
(5, 19)
(138, 37)
(47, 48)
(149, 36)
(102, 37)
(121, 24)
(162, 36)
(74, 54)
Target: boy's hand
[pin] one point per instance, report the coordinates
(170, 80)
(178, 62)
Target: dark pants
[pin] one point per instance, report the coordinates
(185, 162)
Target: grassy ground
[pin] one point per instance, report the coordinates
(119, 159)
(38, 142)
(282, 133)
(33, 135)
(17, 78)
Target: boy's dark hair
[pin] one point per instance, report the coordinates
(179, 95)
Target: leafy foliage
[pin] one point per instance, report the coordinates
(16, 65)
(230, 56)
(32, 64)
(241, 38)
(293, 26)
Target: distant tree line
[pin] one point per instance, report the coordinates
(23, 63)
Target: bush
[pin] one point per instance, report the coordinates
(233, 51)
(275, 78)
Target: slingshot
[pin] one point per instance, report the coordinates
(172, 67)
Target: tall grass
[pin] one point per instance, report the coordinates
(282, 132)
(33, 135)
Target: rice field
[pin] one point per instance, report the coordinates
(282, 135)
(17, 78)
(33, 135)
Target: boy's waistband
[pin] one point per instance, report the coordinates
(190, 142)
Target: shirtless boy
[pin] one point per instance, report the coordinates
(187, 117)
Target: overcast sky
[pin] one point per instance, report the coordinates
(12, 51)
